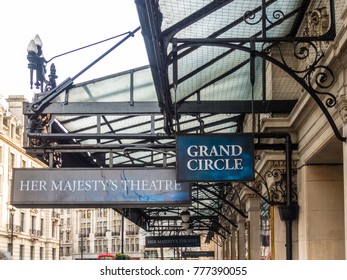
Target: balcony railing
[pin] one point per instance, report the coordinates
(132, 232)
(35, 232)
(16, 228)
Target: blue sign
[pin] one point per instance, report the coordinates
(215, 157)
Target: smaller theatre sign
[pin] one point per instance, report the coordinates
(215, 157)
(97, 187)
(173, 241)
(197, 254)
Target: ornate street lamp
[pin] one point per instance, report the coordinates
(37, 64)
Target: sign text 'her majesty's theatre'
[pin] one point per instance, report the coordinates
(97, 188)
(172, 241)
(215, 157)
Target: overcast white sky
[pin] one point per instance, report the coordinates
(65, 25)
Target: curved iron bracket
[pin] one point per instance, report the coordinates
(314, 78)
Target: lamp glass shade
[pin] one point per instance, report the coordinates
(185, 225)
(32, 47)
(185, 217)
(189, 230)
(37, 41)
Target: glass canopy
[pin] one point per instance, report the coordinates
(207, 73)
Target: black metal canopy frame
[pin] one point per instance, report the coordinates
(191, 110)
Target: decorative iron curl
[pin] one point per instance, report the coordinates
(278, 15)
(249, 16)
(323, 77)
(305, 51)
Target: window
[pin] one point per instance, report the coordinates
(5, 121)
(113, 246)
(22, 219)
(11, 161)
(32, 252)
(132, 229)
(21, 252)
(67, 252)
(53, 230)
(132, 244)
(101, 228)
(13, 130)
(33, 222)
(41, 253)
(85, 229)
(41, 226)
(105, 246)
(127, 244)
(87, 247)
(137, 245)
(118, 245)
(116, 227)
(54, 252)
(98, 246)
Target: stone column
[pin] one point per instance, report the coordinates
(241, 231)
(233, 244)
(226, 249)
(253, 209)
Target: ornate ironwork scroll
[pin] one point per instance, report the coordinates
(274, 194)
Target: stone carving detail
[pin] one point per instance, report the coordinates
(316, 24)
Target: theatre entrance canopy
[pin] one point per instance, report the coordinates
(215, 67)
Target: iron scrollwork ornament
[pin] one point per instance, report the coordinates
(249, 17)
(38, 124)
(279, 188)
(274, 194)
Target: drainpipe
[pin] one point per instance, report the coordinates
(288, 211)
